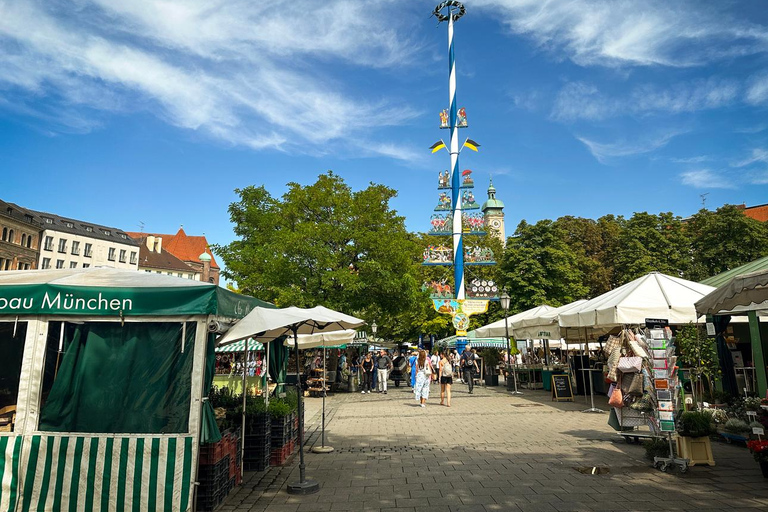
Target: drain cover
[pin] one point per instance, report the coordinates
(527, 405)
(592, 470)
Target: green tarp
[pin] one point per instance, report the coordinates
(278, 364)
(209, 433)
(113, 378)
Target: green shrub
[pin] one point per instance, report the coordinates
(695, 424)
(737, 426)
(656, 447)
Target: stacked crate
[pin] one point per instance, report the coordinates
(258, 443)
(282, 439)
(218, 471)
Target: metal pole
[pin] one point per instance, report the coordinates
(242, 430)
(322, 448)
(509, 350)
(588, 373)
(458, 241)
(304, 486)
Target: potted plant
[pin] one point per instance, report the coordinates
(759, 451)
(693, 443)
(491, 359)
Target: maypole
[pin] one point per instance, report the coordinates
(459, 299)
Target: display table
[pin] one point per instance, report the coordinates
(547, 374)
(235, 383)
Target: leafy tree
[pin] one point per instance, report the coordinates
(324, 244)
(724, 239)
(698, 353)
(540, 267)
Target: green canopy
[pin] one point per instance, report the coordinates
(239, 346)
(103, 291)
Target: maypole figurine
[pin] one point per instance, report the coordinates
(457, 222)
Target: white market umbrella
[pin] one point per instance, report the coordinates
(266, 325)
(543, 326)
(654, 295)
(497, 328)
(323, 339)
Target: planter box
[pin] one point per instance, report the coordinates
(696, 449)
(491, 380)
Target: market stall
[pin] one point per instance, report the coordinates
(106, 372)
(232, 360)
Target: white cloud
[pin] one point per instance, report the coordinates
(579, 100)
(759, 155)
(705, 178)
(757, 93)
(692, 160)
(627, 32)
(246, 73)
(604, 152)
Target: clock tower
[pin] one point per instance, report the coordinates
(493, 211)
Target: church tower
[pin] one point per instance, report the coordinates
(493, 211)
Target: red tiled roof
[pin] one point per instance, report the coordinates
(186, 248)
(163, 260)
(757, 212)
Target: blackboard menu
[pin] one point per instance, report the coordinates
(561, 388)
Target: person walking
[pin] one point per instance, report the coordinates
(366, 373)
(423, 378)
(468, 367)
(446, 378)
(412, 364)
(385, 365)
(435, 360)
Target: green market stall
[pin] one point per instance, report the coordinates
(103, 386)
(233, 380)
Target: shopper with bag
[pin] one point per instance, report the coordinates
(423, 378)
(468, 367)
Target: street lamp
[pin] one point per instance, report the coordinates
(504, 300)
(374, 328)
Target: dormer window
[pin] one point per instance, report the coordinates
(89, 229)
(107, 232)
(69, 224)
(123, 236)
(48, 220)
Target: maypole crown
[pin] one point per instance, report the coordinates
(456, 9)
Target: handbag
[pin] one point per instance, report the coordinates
(613, 362)
(613, 342)
(630, 364)
(636, 384)
(644, 404)
(617, 399)
(427, 368)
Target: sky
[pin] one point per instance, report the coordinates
(151, 113)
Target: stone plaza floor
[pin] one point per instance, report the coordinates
(488, 451)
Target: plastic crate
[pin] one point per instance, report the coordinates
(257, 465)
(210, 454)
(208, 502)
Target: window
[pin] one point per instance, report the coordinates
(123, 236)
(11, 236)
(179, 274)
(46, 263)
(48, 243)
(122, 255)
(109, 380)
(5, 233)
(107, 232)
(12, 338)
(189, 276)
(88, 251)
(63, 245)
(147, 270)
(69, 224)
(111, 255)
(29, 241)
(89, 229)
(28, 218)
(59, 263)
(133, 257)
(72, 264)
(24, 239)
(75, 248)
(48, 220)
(170, 273)
(7, 265)
(86, 265)
(20, 266)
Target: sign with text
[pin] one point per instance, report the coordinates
(460, 310)
(562, 391)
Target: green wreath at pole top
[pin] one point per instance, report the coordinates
(449, 3)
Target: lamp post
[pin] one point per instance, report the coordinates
(504, 300)
(374, 328)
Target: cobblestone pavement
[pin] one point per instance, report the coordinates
(489, 451)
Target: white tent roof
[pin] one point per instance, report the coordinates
(106, 277)
(497, 328)
(327, 339)
(654, 295)
(543, 326)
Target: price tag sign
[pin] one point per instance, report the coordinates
(758, 431)
(710, 329)
(751, 413)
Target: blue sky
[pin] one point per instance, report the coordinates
(155, 111)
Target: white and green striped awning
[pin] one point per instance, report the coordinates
(239, 346)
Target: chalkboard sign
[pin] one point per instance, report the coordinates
(561, 388)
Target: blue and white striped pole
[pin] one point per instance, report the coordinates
(458, 241)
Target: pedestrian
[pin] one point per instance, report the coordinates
(385, 365)
(366, 373)
(468, 366)
(456, 360)
(423, 378)
(446, 379)
(412, 363)
(435, 360)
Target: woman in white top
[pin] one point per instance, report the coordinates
(423, 378)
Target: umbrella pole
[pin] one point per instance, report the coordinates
(245, 394)
(323, 448)
(303, 486)
(266, 382)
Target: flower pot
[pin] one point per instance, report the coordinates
(764, 468)
(491, 380)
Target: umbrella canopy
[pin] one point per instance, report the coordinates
(654, 295)
(498, 328)
(323, 339)
(266, 324)
(743, 293)
(544, 326)
(239, 346)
